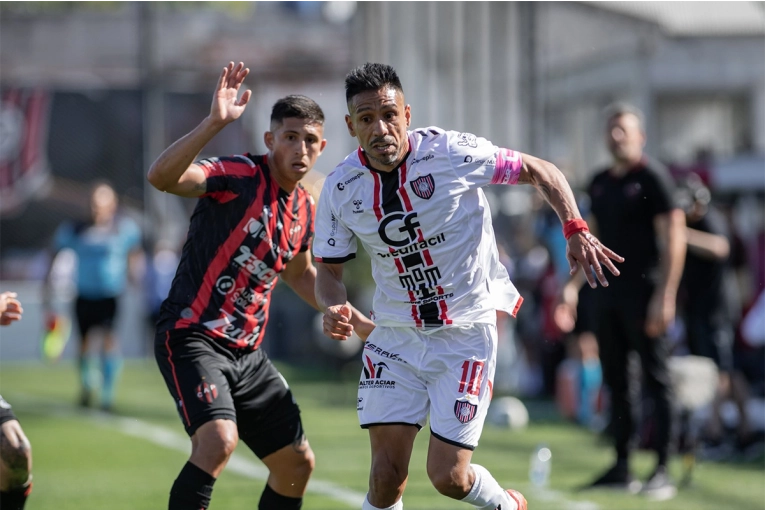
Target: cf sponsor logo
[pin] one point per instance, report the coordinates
(408, 227)
(341, 185)
(424, 158)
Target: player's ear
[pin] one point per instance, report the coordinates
(268, 139)
(349, 124)
(408, 115)
(323, 145)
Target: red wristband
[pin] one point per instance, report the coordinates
(571, 227)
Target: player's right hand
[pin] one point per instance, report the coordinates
(10, 308)
(336, 323)
(225, 106)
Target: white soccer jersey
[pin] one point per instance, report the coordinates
(427, 227)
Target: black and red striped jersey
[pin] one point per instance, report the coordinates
(243, 232)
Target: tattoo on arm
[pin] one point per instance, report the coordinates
(201, 186)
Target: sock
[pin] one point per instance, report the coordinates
(486, 493)
(271, 500)
(398, 505)
(192, 489)
(15, 499)
(111, 363)
(86, 377)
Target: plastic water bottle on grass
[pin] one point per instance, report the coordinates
(540, 466)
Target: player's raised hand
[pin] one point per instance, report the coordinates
(337, 325)
(225, 106)
(583, 249)
(10, 308)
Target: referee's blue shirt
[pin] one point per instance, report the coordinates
(102, 255)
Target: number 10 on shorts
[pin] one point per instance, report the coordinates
(475, 370)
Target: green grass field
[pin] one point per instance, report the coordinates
(128, 460)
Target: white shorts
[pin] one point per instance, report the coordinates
(448, 373)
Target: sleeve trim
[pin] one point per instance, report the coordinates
(335, 260)
(508, 167)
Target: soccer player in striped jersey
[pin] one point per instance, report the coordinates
(413, 199)
(253, 223)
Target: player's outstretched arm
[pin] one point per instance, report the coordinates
(301, 275)
(174, 171)
(583, 249)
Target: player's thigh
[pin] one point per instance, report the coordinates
(391, 446)
(447, 463)
(391, 390)
(197, 374)
(268, 417)
(462, 364)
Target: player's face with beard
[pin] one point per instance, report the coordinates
(379, 120)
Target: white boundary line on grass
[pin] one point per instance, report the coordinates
(172, 440)
(162, 436)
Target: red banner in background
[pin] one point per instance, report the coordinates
(24, 117)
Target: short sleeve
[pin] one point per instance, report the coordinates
(663, 190)
(333, 242)
(479, 162)
(130, 233)
(64, 237)
(223, 176)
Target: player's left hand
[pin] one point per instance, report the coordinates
(583, 249)
(337, 325)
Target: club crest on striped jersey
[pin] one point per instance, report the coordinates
(207, 392)
(464, 410)
(423, 186)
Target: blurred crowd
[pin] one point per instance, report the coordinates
(549, 354)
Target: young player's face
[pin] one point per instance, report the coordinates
(379, 119)
(293, 148)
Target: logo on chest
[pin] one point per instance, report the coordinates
(423, 186)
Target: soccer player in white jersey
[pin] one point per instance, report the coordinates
(414, 200)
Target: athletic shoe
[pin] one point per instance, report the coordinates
(659, 486)
(618, 478)
(518, 498)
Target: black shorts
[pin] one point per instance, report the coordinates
(95, 312)
(6, 413)
(209, 381)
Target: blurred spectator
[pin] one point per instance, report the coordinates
(15, 450)
(160, 271)
(633, 213)
(104, 245)
(709, 297)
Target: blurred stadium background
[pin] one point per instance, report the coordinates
(96, 90)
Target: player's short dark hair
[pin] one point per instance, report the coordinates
(298, 107)
(620, 108)
(371, 77)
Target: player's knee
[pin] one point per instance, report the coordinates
(386, 476)
(449, 481)
(16, 456)
(216, 444)
(304, 465)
